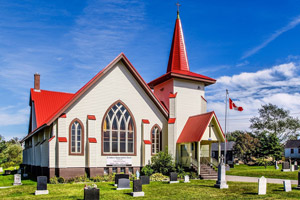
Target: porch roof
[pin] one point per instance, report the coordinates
(195, 127)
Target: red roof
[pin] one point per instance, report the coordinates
(195, 127)
(46, 103)
(178, 65)
(171, 95)
(178, 58)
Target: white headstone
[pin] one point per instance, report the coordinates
(221, 182)
(276, 165)
(262, 186)
(292, 168)
(17, 179)
(287, 185)
(137, 173)
(1, 170)
(295, 163)
(186, 179)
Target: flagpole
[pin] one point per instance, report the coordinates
(225, 126)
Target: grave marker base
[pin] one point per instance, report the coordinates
(122, 188)
(137, 194)
(173, 182)
(221, 185)
(17, 183)
(41, 192)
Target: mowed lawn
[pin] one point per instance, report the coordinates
(258, 171)
(196, 189)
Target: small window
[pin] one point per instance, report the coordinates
(76, 138)
(292, 151)
(156, 139)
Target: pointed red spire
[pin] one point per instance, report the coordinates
(178, 58)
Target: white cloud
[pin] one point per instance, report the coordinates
(10, 116)
(277, 33)
(277, 85)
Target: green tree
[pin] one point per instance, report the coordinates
(275, 120)
(163, 163)
(246, 147)
(232, 136)
(13, 155)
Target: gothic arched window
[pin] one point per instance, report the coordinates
(156, 139)
(118, 130)
(76, 138)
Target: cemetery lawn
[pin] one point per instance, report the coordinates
(258, 171)
(196, 189)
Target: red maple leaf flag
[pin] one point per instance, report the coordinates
(233, 106)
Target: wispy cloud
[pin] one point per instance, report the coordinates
(278, 85)
(277, 33)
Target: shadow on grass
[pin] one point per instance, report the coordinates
(251, 193)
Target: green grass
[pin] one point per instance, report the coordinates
(258, 171)
(197, 189)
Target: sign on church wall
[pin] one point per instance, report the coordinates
(118, 160)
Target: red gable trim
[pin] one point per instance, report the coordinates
(147, 142)
(63, 115)
(203, 98)
(171, 120)
(171, 95)
(145, 121)
(91, 117)
(92, 140)
(62, 139)
(51, 138)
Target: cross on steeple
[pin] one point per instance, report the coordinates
(177, 4)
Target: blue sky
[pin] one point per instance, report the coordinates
(250, 47)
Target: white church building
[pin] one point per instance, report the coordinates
(116, 122)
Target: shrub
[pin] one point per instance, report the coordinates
(158, 177)
(180, 171)
(61, 180)
(78, 179)
(163, 163)
(105, 178)
(53, 180)
(147, 170)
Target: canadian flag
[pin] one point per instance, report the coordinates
(233, 106)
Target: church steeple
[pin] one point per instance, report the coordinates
(178, 58)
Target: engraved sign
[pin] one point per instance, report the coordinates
(118, 161)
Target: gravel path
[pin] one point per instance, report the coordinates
(255, 179)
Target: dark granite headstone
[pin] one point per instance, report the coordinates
(118, 176)
(145, 180)
(299, 179)
(7, 172)
(137, 185)
(123, 183)
(91, 194)
(42, 183)
(173, 176)
(296, 167)
(285, 165)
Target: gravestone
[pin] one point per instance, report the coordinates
(137, 188)
(137, 174)
(287, 185)
(292, 168)
(295, 163)
(298, 187)
(1, 170)
(186, 179)
(17, 179)
(296, 167)
(276, 165)
(7, 172)
(262, 186)
(123, 184)
(91, 194)
(227, 167)
(145, 180)
(41, 185)
(118, 176)
(286, 167)
(221, 182)
(173, 177)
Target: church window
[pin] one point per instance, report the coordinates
(76, 138)
(118, 130)
(156, 139)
